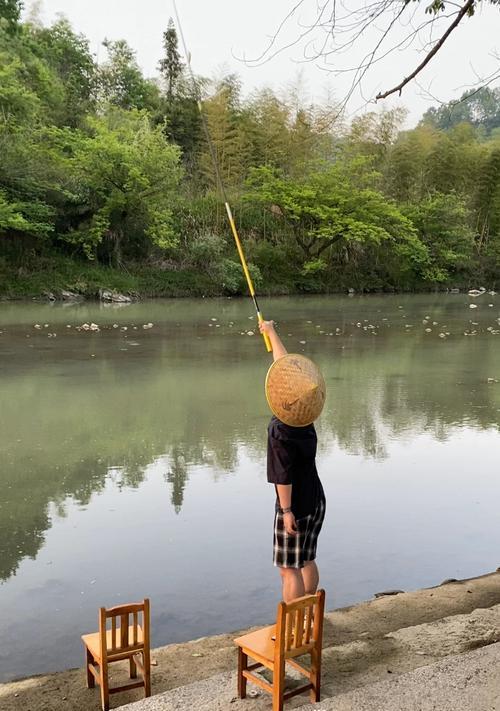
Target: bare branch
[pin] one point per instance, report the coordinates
(329, 30)
(469, 5)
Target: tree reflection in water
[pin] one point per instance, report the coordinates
(69, 422)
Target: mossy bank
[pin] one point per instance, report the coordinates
(54, 275)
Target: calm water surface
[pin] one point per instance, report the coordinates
(133, 461)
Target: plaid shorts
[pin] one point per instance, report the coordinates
(294, 551)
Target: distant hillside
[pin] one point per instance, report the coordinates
(479, 107)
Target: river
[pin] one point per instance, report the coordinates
(133, 459)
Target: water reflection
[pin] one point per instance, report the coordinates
(76, 409)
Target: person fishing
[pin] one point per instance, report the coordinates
(295, 391)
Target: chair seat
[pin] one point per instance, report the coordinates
(260, 642)
(91, 641)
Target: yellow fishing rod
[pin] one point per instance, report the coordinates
(221, 183)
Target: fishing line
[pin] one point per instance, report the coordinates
(220, 182)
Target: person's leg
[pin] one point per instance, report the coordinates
(310, 577)
(310, 572)
(293, 583)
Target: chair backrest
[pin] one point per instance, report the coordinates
(299, 625)
(124, 629)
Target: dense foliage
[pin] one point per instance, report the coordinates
(104, 168)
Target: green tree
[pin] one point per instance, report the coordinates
(18, 102)
(10, 11)
(374, 134)
(24, 218)
(222, 111)
(125, 176)
(479, 107)
(170, 65)
(271, 118)
(487, 201)
(30, 90)
(178, 110)
(68, 55)
(443, 226)
(406, 170)
(330, 211)
(121, 82)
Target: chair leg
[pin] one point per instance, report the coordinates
(242, 665)
(278, 686)
(104, 684)
(315, 694)
(133, 668)
(89, 659)
(146, 658)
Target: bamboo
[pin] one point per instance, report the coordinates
(220, 182)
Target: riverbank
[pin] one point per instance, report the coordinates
(84, 279)
(54, 275)
(392, 634)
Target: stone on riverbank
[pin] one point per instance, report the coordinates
(113, 296)
(70, 296)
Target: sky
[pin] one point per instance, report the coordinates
(220, 32)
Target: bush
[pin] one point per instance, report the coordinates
(205, 252)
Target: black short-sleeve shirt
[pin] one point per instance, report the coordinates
(291, 459)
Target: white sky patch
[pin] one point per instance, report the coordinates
(220, 30)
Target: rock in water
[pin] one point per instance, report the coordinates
(70, 295)
(114, 296)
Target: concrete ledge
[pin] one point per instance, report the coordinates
(468, 682)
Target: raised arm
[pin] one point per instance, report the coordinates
(276, 343)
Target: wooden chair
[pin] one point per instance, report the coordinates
(123, 641)
(298, 630)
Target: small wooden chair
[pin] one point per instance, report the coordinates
(123, 641)
(298, 630)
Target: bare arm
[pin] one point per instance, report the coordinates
(284, 495)
(276, 343)
(285, 499)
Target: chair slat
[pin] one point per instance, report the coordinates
(113, 634)
(295, 692)
(125, 654)
(299, 628)
(135, 628)
(126, 687)
(118, 610)
(124, 631)
(307, 625)
(289, 632)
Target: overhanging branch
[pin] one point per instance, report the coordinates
(466, 9)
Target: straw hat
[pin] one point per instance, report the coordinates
(295, 390)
